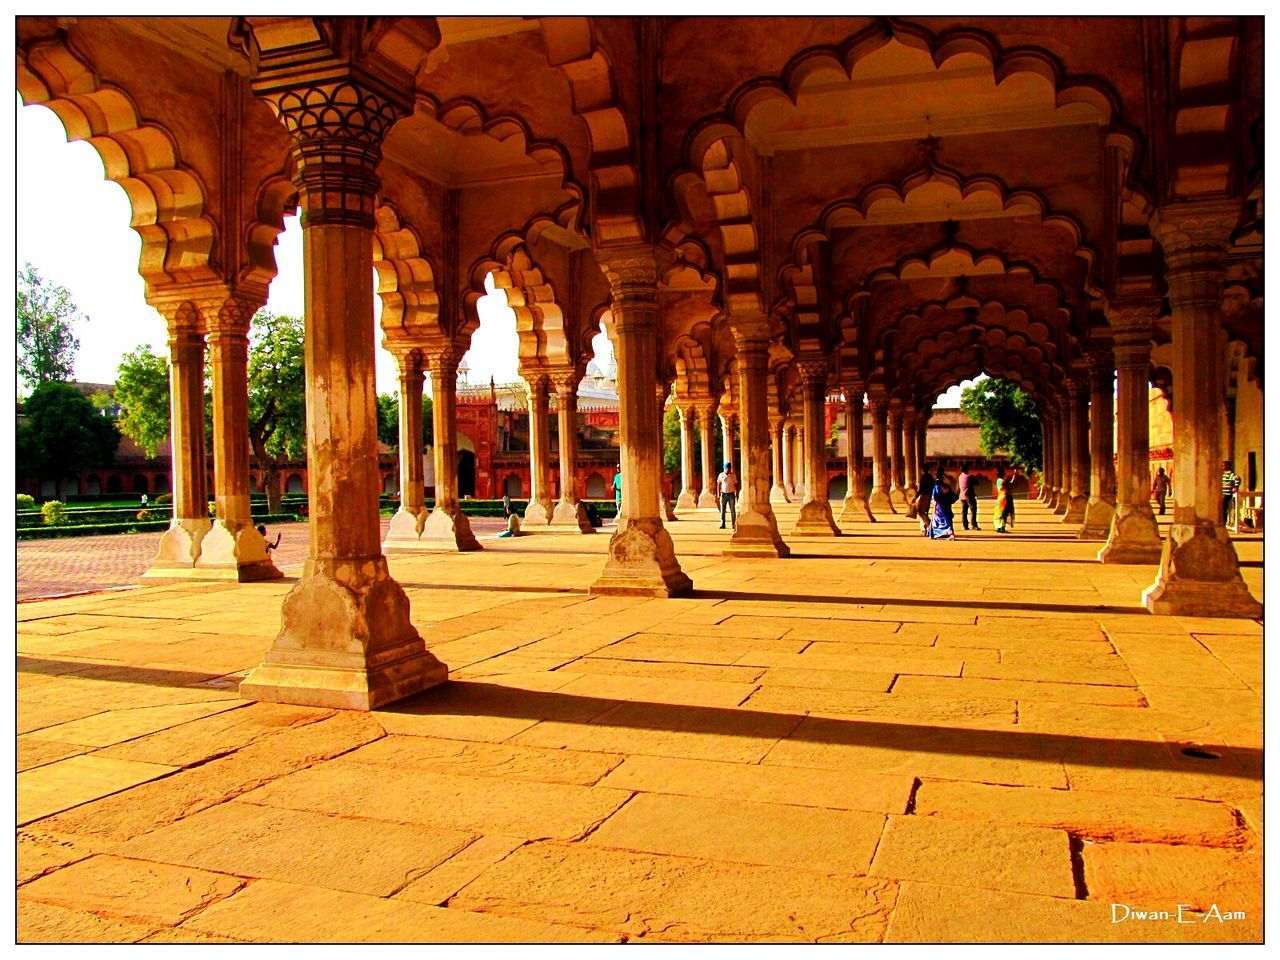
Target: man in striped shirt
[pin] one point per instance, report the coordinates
(1230, 484)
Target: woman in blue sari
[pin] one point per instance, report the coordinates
(942, 524)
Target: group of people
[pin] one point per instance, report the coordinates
(935, 501)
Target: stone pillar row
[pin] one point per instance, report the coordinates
(815, 512)
(710, 470)
(897, 467)
(569, 509)
(879, 500)
(1101, 507)
(781, 463)
(855, 507)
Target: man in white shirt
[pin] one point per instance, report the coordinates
(727, 489)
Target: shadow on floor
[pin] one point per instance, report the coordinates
(1021, 606)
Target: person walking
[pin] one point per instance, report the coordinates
(942, 524)
(924, 493)
(1160, 488)
(1002, 500)
(727, 489)
(968, 495)
(1009, 481)
(1230, 484)
(617, 489)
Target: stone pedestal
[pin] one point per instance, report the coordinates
(642, 559)
(757, 532)
(1199, 571)
(346, 639)
(879, 499)
(1134, 536)
(815, 518)
(180, 545)
(855, 508)
(569, 510)
(540, 508)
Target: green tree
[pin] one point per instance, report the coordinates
(1007, 421)
(63, 435)
(142, 397)
(46, 346)
(389, 420)
(277, 396)
(671, 440)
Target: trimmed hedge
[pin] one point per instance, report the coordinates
(137, 526)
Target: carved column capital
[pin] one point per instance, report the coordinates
(337, 125)
(812, 372)
(1194, 238)
(565, 382)
(229, 316)
(632, 273)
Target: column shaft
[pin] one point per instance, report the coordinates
(688, 499)
(757, 532)
(446, 526)
(855, 507)
(707, 498)
(1102, 473)
(569, 511)
(540, 507)
(897, 493)
(815, 512)
(879, 500)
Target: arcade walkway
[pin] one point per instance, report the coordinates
(882, 738)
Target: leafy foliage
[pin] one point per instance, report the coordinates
(26, 501)
(671, 440)
(46, 345)
(277, 395)
(63, 434)
(389, 420)
(1006, 419)
(54, 513)
(142, 397)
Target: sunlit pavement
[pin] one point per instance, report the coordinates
(881, 738)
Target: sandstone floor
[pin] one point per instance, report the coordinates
(879, 739)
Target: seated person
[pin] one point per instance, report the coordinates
(270, 546)
(513, 525)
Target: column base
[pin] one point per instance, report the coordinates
(688, 500)
(856, 510)
(756, 535)
(235, 552)
(1200, 576)
(179, 550)
(800, 490)
(346, 642)
(1059, 506)
(642, 562)
(790, 491)
(538, 512)
(572, 515)
(1074, 509)
(897, 497)
(667, 513)
(707, 501)
(778, 495)
(879, 502)
(405, 529)
(1134, 537)
(1098, 515)
(447, 528)
(815, 520)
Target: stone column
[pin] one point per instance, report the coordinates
(778, 492)
(233, 549)
(897, 493)
(688, 499)
(757, 531)
(541, 506)
(570, 510)
(664, 504)
(1199, 571)
(789, 460)
(879, 500)
(707, 499)
(446, 526)
(911, 447)
(855, 508)
(180, 545)
(1101, 508)
(922, 433)
(1062, 455)
(1046, 452)
(642, 558)
(799, 468)
(406, 525)
(346, 639)
(729, 426)
(1078, 445)
(815, 511)
(1134, 536)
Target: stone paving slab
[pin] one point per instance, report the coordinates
(1006, 758)
(68, 783)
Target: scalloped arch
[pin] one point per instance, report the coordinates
(167, 200)
(406, 281)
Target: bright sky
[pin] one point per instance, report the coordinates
(73, 224)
